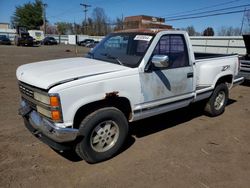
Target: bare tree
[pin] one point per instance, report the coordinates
(191, 31)
(100, 21)
(118, 24)
(229, 31)
(51, 29)
(90, 26)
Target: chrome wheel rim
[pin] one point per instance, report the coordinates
(219, 100)
(104, 136)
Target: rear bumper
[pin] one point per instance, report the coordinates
(238, 80)
(45, 130)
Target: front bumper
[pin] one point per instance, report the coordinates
(238, 80)
(43, 128)
(245, 74)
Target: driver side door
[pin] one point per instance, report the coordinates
(171, 86)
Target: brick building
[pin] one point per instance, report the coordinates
(142, 21)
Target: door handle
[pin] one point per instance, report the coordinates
(190, 75)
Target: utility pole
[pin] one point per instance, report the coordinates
(85, 6)
(44, 17)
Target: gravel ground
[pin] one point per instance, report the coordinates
(183, 148)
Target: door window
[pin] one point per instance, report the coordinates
(174, 47)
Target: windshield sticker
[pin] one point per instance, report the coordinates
(143, 37)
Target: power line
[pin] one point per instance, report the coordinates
(208, 15)
(202, 8)
(210, 11)
(65, 12)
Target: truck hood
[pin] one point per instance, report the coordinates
(46, 74)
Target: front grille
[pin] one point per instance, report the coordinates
(26, 91)
(32, 105)
(245, 65)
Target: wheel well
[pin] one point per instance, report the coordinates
(225, 79)
(120, 103)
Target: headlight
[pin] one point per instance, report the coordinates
(42, 98)
(43, 111)
(52, 107)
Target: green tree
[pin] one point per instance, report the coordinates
(29, 15)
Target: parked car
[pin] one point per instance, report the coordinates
(245, 60)
(85, 42)
(24, 39)
(49, 41)
(86, 103)
(4, 40)
(92, 44)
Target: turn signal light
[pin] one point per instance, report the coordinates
(54, 101)
(55, 115)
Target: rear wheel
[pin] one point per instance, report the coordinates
(104, 132)
(217, 102)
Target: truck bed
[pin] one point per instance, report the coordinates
(209, 65)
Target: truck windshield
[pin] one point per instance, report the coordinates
(122, 48)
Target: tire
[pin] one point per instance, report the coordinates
(218, 100)
(104, 132)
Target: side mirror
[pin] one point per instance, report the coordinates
(160, 61)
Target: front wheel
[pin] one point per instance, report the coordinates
(104, 133)
(217, 102)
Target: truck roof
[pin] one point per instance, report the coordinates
(148, 31)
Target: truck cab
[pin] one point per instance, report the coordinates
(22, 37)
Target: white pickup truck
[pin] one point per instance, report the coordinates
(86, 103)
